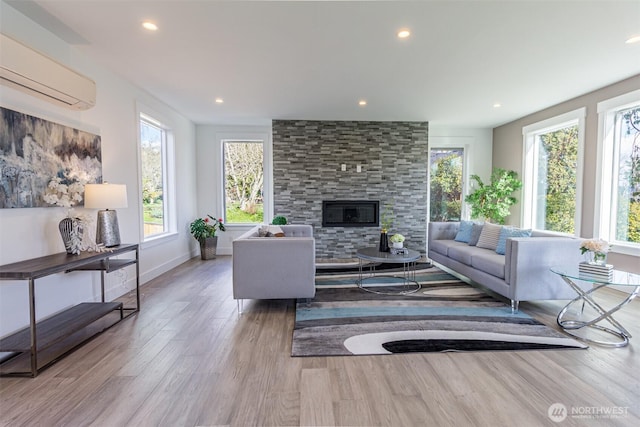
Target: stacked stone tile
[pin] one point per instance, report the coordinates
(307, 159)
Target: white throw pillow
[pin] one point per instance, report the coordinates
(271, 231)
(489, 236)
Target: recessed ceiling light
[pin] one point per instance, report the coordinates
(634, 39)
(362, 103)
(219, 100)
(497, 105)
(148, 25)
(404, 33)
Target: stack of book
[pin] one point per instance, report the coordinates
(596, 271)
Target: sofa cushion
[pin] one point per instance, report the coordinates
(462, 253)
(507, 232)
(476, 229)
(464, 232)
(489, 261)
(442, 246)
(489, 236)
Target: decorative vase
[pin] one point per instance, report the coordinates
(597, 258)
(384, 242)
(397, 245)
(208, 247)
(71, 231)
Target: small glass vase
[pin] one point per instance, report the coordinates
(596, 258)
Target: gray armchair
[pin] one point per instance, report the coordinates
(274, 267)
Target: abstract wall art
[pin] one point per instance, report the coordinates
(34, 151)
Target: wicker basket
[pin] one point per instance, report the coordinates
(208, 247)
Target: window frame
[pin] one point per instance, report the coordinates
(529, 165)
(168, 176)
(605, 199)
(464, 210)
(240, 134)
(449, 142)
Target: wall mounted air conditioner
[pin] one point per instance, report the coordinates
(32, 72)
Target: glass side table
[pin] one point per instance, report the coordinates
(570, 275)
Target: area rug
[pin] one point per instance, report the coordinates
(446, 315)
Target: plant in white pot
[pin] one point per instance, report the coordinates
(397, 241)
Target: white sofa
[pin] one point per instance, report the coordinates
(521, 274)
(274, 267)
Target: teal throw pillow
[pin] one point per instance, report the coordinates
(464, 232)
(507, 232)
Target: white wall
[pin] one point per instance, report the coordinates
(209, 176)
(28, 233)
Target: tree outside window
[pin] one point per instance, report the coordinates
(445, 191)
(152, 153)
(556, 185)
(552, 178)
(626, 185)
(244, 181)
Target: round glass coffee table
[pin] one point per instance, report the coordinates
(571, 274)
(387, 284)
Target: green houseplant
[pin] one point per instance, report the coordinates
(279, 220)
(397, 240)
(492, 201)
(204, 231)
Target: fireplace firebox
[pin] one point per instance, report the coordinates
(350, 213)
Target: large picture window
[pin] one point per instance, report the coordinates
(552, 173)
(154, 171)
(619, 166)
(244, 181)
(445, 182)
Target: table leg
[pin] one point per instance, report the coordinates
(585, 297)
(32, 326)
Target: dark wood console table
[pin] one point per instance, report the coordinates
(43, 334)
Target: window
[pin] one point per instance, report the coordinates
(155, 149)
(619, 172)
(445, 177)
(553, 173)
(243, 181)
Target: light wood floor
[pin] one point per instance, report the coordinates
(187, 359)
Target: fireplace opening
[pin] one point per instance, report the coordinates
(350, 213)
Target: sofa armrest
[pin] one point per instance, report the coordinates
(528, 261)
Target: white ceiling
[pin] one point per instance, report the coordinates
(315, 60)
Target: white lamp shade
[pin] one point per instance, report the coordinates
(105, 196)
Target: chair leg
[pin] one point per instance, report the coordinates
(514, 306)
(240, 306)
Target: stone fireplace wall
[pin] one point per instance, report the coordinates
(393, 156)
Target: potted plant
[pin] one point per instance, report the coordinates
(492, 201)
(279, 220)
(397, 241)
(204, 231)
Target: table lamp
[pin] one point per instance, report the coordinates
(106, 197)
